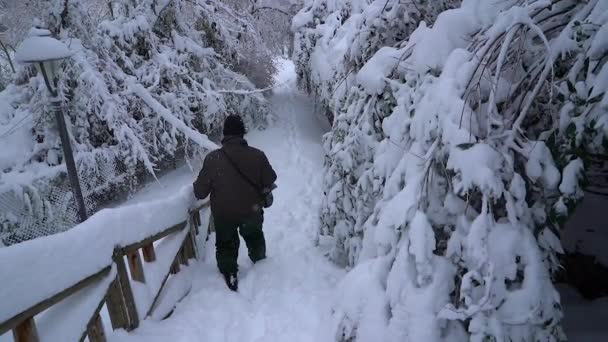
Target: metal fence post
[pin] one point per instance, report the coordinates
(69, 159)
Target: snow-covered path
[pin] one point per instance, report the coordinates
(286, 297)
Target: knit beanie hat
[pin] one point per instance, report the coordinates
(233, 125)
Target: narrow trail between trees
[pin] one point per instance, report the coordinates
(286, 297)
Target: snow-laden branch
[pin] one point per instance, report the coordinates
(268, 8)
(200, 139)
(248, 92)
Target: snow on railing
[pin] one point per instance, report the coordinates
(56, 286)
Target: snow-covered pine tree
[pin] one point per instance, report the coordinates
(142, 79)
(454, 158)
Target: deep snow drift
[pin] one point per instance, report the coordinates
(288, 296)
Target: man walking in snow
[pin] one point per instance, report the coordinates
(239, 179)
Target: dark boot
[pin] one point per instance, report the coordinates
(232, 281)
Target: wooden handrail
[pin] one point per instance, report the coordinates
(119, 292)
(136, 246)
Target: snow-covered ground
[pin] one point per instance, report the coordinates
(288, 296)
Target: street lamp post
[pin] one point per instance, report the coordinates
(47, 53)
(3, 44)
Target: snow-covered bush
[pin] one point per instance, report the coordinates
(140, 82)
(457, 151)
(334, 39)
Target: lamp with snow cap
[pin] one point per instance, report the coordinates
(47, 54)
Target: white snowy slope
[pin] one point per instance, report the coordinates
(287, 297)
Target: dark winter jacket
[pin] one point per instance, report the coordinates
(233, 199)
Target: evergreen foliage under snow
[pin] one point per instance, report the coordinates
(459, 147)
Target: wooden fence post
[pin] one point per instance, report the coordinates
(196, 220)
(149, 254)
(95, 330)
(135, 266)
(116, 306)
(189, 246)
(175, 265)
(192, 245)
(127, 292)
(26, 331)
(182, 254)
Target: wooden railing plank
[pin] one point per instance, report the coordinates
(116, 307)
(175, 265)
(182, 254)
(148, 252)
(193, 234)
(95, 330)
(136, 267)
(196, 220)
(127, 292)
(155, 237)
(26, 331)
(47, 303)
(189, 246)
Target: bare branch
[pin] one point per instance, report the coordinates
(264, 8)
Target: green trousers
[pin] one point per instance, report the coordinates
(227, 242)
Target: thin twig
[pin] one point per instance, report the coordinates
(254, 11)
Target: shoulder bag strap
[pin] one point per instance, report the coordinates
(247, 179)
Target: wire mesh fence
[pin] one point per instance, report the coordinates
(48, 207)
